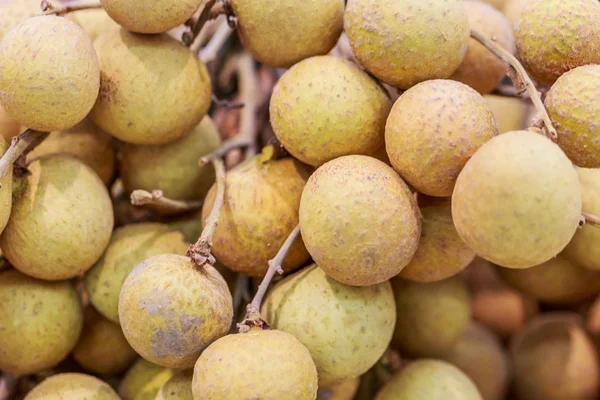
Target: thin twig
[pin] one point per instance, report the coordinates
(20, 145)
(524, 79)
(226, 103)
(218, 40)
(189, 38)
(591, 219)
(67, 8)
(142, 198)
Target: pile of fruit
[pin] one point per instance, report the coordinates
(299, 199)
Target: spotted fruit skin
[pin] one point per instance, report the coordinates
(72, 386)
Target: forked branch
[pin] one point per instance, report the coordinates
(67, 7)
(20, 146)
(142, 198)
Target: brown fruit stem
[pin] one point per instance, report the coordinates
(211, 50)
(522, 79)
(8, 385)
(591, 219)
(19, 146)
(211, 10)
(199, 252)
(67, 7)
(141, 198)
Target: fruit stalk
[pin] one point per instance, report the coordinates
(591, 219)
(142, 197)
(205, 15)
(20, 145)
(210, 51)
(67, 7)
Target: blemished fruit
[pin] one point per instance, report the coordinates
(345, 328)
(554, 36)
(86, 142)
(429, 379)
(280, 33)
(554, 359)
(94, 22)
(573, 104)
(102, 348)
(172, 167)
(41, 322)
(128, 247)
(72, 386)
(260, 210)
(259, 364)
(359, 220)
(9, 128)
(179, 387)
(345, 390)
(409, 41)
(519, 182)
(170, 309)
(441, 252)
(6, 190)
(39, 89)
(421, 136)
(509, 112)
(481, 69)
(14, 11)
(512, 9)
(480, 355)
(353, 122)
(61, 220)
(136, 71)
(143, 380)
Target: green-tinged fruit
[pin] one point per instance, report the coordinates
(94, 21)
(6, 183)
(143, 380)
(179, 387)
(345, 390)
(72, 386)
(510, 113)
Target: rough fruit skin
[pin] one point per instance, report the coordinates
(573, 104)
(345, 328)
(40, 321)
(143, 380)
(179, 387)
(61, 222)
(260, 210)
(408, 41)
(9, 128)
(72, 386)
(94, 21)
(128, 247)
(170, 310)
(481, 69)
(554, 36)
(433, 130)
(280, 33)
(49, 73)
(282, 368)
(6, 183)
(431, 380)
(509, 112)
(152, 90)
(15, 11)
(345, 390)
(325, 107)
(359, 220)
(517, 202)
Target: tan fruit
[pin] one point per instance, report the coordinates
(554, 36)
(9, 128)
(512, 10)
(179, 387)
(40, 90)
(509, 112)
(409, 41)
(6, 184)
(345, 328)
(72, 386)
(14, 11)
(281, 33)
(259, 212)
(61, 220)
(341, 391)
(592, 322)
(429, 379)
(144, 380)
(422, 139)
(153, 90)
(496, 3)
(94, 21)
(40, 321)
(353, 122)
(517, 202)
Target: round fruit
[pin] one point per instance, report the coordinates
(14, 11)
(153, 90)
(352, 122)
(260, 364)
(94, 21)
(5, 189)
(346, 390)
(170, 309)
(517, 202)
(72, 386)
(179, 387)
(280, 33)
(359, 220)
(509, 112)
(512, 10)
(345, 328)
(408, 41)
(143, 380)
(426, 144)
(9, 128)
(40, 321)
(40, 90)
(61, 220)
(259, 212)
(554, 36)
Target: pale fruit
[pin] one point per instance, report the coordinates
(509, 112)
(14, 11)
(496, 3)
(94, 21)
(6, 194)
(512, 9)
(179, 387)
(9, 128)
(143, 380)
(72, 386)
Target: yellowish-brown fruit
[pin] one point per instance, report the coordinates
(517, 202)
(345, 390)
(281, 33)
(408, 41)
(14, 11)
(9, 128)
(509, 112)
(259, 364)
(359, 220)
(86, 142)
(170, 309)
(481, 69)
(72, 386)
(259, 212)
(179, 387)
(512, 9)
(143, 380)
(6, 183)
(433, 130)
(40, 321)
(153, 90)
(40, 90)
(592, 322)
(61, 220)
(429, 379)
(554, 36)
(352, 122)
(102, 348)
(554, 359)
(498, 4)
(345, 328)
(94, 21)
